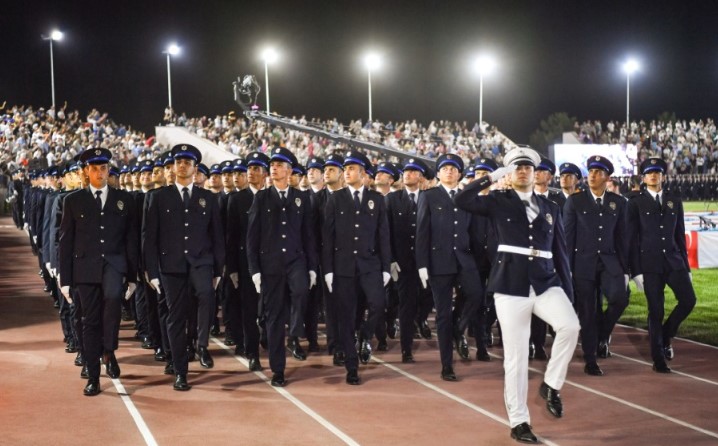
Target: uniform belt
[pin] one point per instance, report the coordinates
(526, 251)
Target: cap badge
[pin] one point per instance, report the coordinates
(411, 160)
(202, 202)
(120, 205)
(98, 152)
(653, 161)
(184, 147)
(598, 158)
(549, 219)
(370, 203)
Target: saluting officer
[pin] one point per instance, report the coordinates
(444, 236)
(658, 257)
(531, 276)
(98, 255)
(281, 253)
(595, 225)
(401, 211)
(356, 257)
(184, 254)
(244, 304)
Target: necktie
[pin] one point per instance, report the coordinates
(357, 203)
(452, 193)
(185, 197)
(412, 197)
(658, 200)
(526, 203)
(98, 199)
(598, 202)
(283, 197)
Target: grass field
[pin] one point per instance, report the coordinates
(700, 206)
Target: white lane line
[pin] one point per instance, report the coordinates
(294, 400)
(629, 404)
(453, 397)
(690, 341)
(673, 371)
(136, 417)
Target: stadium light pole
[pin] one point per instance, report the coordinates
(54, 35)
(630, 67)
(171, 50)
(372, 61)
(483, 65)
(269, 55)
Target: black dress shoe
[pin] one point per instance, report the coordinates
(365, 352)
(391, 330)
(191, 352)
(553, 400)
(278, 379)
(47, 290)
(70, 347)
(181, 383)
(169, 368)
(382, 346)
(661, 367)
(215, 330)
(147, 343)
(407, 358)
(668, 352)
(111, 366)
(417, 330)
(228, 339)
(254, 365)
(603, 351)
(239, 350)
(482, 355)
(447, 373)
(540, 353)
(79, 360)
(425, 330)
(592, 369)
(205, 359)
(522, 433)
(92, 388)
(297, 350)
(160, 355)
(339, 358)
(353, 378)
(84, 373)
(462, 347)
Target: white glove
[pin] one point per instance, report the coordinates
(395, 270)
(386, 276)
(690, 276)
(215, 282)
(423, 276)
(312, 279)
(329, 280)
(257, 279)
(47, 266)
(54, 274)
(25, 226)
(131, 287)
(625, 280)
(234, 277)
(155, 283)
(34, 239)
(638, 280)
(66, 292)
(501, 172)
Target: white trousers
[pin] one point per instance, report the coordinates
(514, 314)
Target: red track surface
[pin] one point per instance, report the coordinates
(41, 399)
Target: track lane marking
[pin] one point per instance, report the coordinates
(134, 413)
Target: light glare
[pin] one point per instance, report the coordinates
(631, 66)
(56, 35)
(372, 61)
(173, 49)
(485, 64)
(270, 55)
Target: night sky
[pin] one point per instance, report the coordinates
(552, 56)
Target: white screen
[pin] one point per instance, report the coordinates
(622, 157)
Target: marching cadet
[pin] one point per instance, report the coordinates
(444, 236)
(200, 177)
(243, 303)
(315, 174)
(168, 168)
(231, 171)
(658, 258)
(531, 276)
(401, 213)
(214, 182)
(295, 179)
(315, 300)
(227, 169)
(595, 226)
(570, 176)
(333, 178)
(281, 253)
(239, 174)
(355, 257)
(113, 180)
(184, 254)
(98, 256)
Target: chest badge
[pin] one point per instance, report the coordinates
(370, 203)
(120, 205)
(549, 219)
(612, 205)
(298, 202)
(202, 202)
(669, 204)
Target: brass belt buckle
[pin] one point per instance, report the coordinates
(535, 252)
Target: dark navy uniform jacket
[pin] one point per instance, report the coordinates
(278, 235)
(89, 237)
(557, 197)
(172, 241)
(593, 233)
(238, 206)
(318, 202)
(656, 234)
(355, 242)
(442, 244)
(513, 274)
(401, 213)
